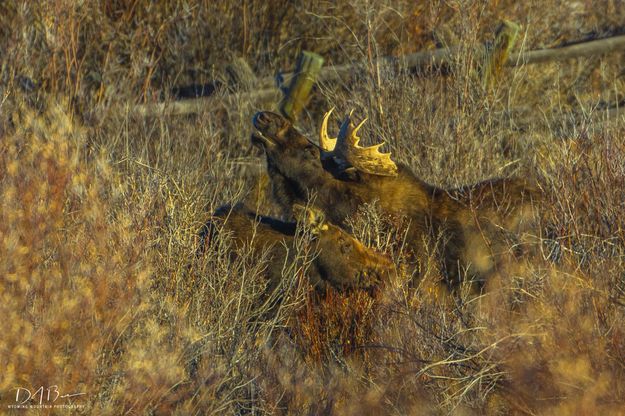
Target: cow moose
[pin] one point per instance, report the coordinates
(339, 260)
(475, 220)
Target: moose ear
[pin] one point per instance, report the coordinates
(312, 218)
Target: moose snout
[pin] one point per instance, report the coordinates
(269, 123)
(264, 136)
(373, 276)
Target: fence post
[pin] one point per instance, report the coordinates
(497, 56)
(296, 95)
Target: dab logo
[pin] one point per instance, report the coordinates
(43, 397)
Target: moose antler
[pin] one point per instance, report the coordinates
(327, 144)
(346, 150)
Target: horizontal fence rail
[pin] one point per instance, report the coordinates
(266, 90)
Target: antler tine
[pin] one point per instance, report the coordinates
(366, 159)
(347, 131)
(356, 138)
(345, 149)
(325, 142)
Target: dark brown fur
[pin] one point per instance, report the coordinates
(473, 219)
(340, 260)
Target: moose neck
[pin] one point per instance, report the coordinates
(341, 197)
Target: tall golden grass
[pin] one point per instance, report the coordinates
(104, 293)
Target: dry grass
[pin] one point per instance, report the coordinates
(102, 290)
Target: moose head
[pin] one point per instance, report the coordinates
(339, 171)
(340, 260)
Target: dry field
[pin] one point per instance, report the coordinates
(103, 293)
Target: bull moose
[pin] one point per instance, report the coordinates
(344, 175)
(340, 260)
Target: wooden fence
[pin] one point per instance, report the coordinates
(309, 70)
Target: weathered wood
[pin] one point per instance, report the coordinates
(445, 56)
(197, 105)
(497, 55)
(592, 48)
(438, 57)
(297, 94)
(420, 61)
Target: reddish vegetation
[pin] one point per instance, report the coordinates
(102, 291)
